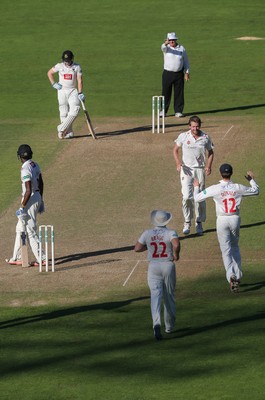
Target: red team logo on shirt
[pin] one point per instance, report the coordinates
(67, 77)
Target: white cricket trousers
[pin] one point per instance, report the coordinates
(162, 285)
(187, 176)
(227, 228)
(69, 106)
(31, 209)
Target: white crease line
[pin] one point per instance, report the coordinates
(228, 131)
(130, 274)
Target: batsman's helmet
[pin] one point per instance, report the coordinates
(68, 56)
(24, 151)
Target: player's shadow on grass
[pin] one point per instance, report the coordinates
(108, 306)
(251, 287)
(189, 331)
(147, 128)
(81, 256)
(249, 107)
(194, 235)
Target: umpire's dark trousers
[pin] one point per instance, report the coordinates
(176, 79)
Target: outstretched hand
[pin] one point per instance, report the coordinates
(249, 175)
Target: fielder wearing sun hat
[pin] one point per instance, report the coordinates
(172, 36)
(226, 169)
(160, 217)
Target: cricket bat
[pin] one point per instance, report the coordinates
(88, 121)
(24, 249)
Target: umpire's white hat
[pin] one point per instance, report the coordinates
(160, 217)
(172, 36)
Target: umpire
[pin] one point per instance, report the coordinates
(176, 69)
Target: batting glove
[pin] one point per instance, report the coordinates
(57, 86)
(81, 96)
(21, 214)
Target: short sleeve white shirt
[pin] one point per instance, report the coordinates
(30, 171)
(193, 150)
(175, 58)
(227, 196)
(68, 74)
(158, 243)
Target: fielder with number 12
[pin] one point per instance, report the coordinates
(227, 196)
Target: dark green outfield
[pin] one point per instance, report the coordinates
(103, 350)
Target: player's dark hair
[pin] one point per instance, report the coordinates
(226, 175)
(196, 119)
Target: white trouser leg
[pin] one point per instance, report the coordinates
(32, 208)
(228, 237)
(69, 106)
(16, 251)
(186, 179)
(200, 208)
(155, 283)
(169, 273)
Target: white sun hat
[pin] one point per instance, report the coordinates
(160, 217)
(172, 36)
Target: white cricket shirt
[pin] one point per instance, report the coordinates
(158, 243)
(30, 171)
(68, 74)
(227, 196)
(175, 58)
(193, 150)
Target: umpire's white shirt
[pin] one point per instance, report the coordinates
(175, 58)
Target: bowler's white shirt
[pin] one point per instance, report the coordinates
(193, 150)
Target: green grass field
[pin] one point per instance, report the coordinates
(79, 333)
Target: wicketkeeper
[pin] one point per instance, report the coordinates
(70, 75)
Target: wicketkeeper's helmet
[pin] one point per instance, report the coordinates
(68, 56)
(24, 151)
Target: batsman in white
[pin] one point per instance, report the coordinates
(31, 203)
(194, 144)
(70, 75)
(227, 196)
(163, 249)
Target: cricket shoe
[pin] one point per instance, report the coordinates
(169, 330)
(11, 261)
(69, 135)
(186, 228)
(36, 264)
(61, 133)
(198, 227)
(157, 332)
(179, 115)
(234, 284)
